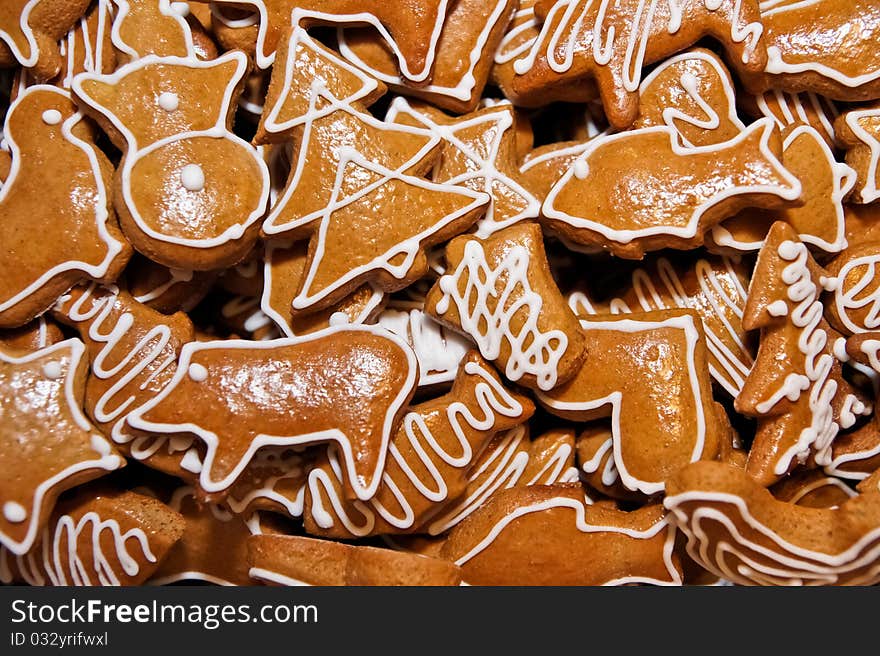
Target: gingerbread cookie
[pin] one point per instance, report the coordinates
(46, 444)
(856, 305)
(57, 192)
(479, 152)
(611, 42)
(87, 47)
(692, 93)
(133, 353)
(713, 286)
(543, 166)
(30, 31)
(848, 70)
(189, 192)
(642, 190)
(647, 371)
(791, 110)
(500, 292)
(410, 28)
(512, 459)
(820, 221)
(595, 455)
(796, 388)
(438, 350)
(295, 560)
(284, 269)
(97, 536)
(738, 531)
(430, 458)
(859, 131)
(469, 38)
(275, 480)
(548, 535)
(233, 416)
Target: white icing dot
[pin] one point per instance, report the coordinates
(52, 370)
(338, 319)
(14, 512)
(581, 169)
(197, 372)
(168, 101)
(180, 8)
(192, 177)
(789, 250)
(777, 309)
(51, 117)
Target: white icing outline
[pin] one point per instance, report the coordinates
(93, 59)
(135, 153)
(626, 236)
(102, 213)
(793, 112)
(107, 461)
(136, 417)
(480, 168)
(685, 323)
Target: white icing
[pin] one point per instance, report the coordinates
(14, 512)
(792, 110)
(53, 370)
(58, 562)
(175, 276)
(197, 372)
(532, 352)
(437, 349)
(101, 202)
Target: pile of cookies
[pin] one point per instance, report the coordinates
(440, 292)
